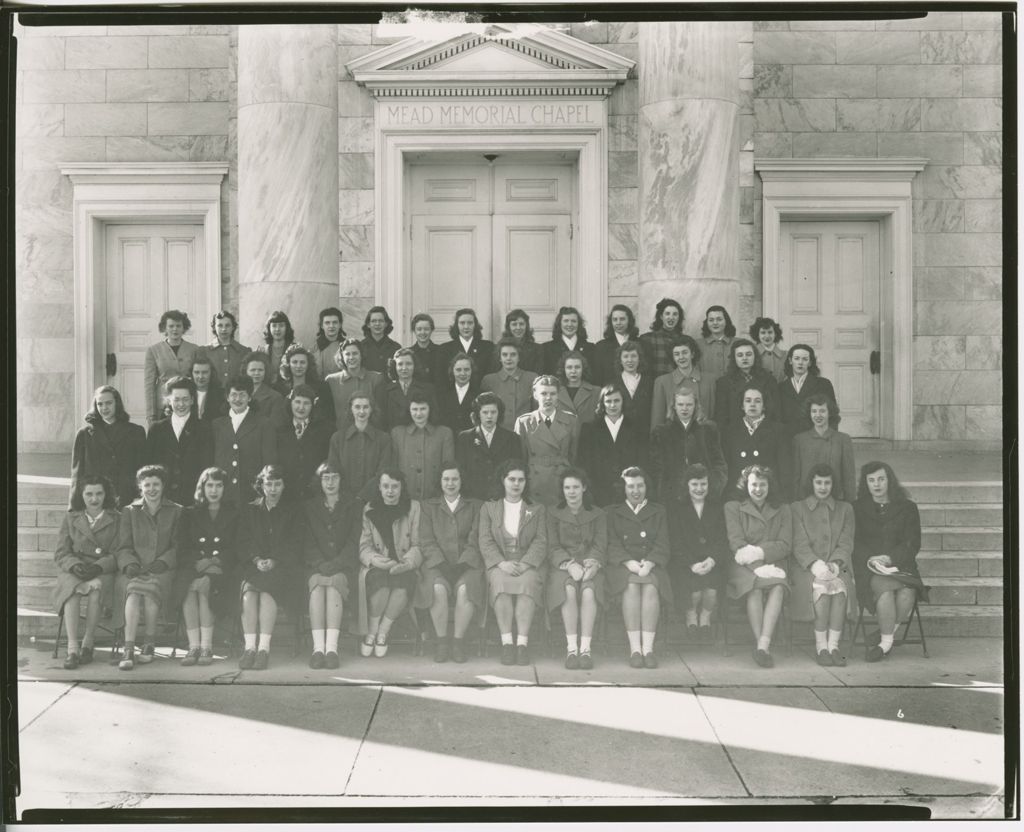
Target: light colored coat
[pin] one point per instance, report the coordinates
(407, 545)
(421, 453)
(822, 530)
(532, 546)
(161, 365)
(771, 529)
(834, 448)
(548, 451)
(665, 387)
(78, 542)
(585, 403)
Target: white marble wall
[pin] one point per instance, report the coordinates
(287, 175)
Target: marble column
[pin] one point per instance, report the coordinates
(689, 167)
(287, 175)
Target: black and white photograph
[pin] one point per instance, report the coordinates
(428, 410)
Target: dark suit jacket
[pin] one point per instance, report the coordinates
(638, 406)
(604, 459)
(479, 463)
(729, 396)
(184, 457)
(792, 404)
(602, 370)
(243, 454)
(553, 350)
(115, 451)
(450, 412)
(480, 350)
(769, 445)
(393, 404)
(300, 457)
(216, 404)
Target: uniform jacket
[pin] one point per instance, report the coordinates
(360, 456)
(80, 543)
(673, 448)
(226, 359)
(547, 450)
(515, 391)
(835, 448)
(532, 540)
(792, 405)
(377, 353)
(604, 459)
(331, 537)
(822, 530)
(771, 529)
(243, 454)
(161, 365)
(451, 412)
(729, 396)
(393, 404)
(184, 456)
(115, 451)
(301, 456)
(584, 406)
(448, 537)
(479, 462)
(894, 531)
(420, 453)
(665, 386)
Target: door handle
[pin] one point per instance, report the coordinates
(876, 362)
(111, 364)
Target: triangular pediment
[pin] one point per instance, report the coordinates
(503, 57)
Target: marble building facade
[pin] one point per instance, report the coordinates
(687, 143)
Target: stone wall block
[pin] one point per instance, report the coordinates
(958, 317)
(355, 170)
(355, 135)
(773, 81)
(188, 51)
(984, 352)
(40, 53)
(625, 99)
(148, 148)
(939, 283)
(208, 149)
(920, 81)
(983, 283)
(41, 355)
(39, 120)
(774, 145)
(983, 215)
(353, 100)
(105, 120)
(47, 152)
(355, 279)
(623, 241)
(941, 47)
(188, 119)
(46, 320)
(983, 81)
(835, 81)
(835, 144)
(983, 148)
(208, 84)
(746, 101)
(355, 207)
(982, 20)
(623, 32)
(832, 25)
(355, 243)
(353, 33)
(106, 53)
(58, 86)
(623, 277)
(878, 47)
(622, 132)
(984, 422)
(746, 60)
(150, 86)
(933, 422)
(962, 114)
(938, 215)
(980, 249)
(794, 48)
(937, 148)
(982, 48)
(797, 115)
(884, 115)
(962, 181)
(623, 205)
(940, 352)
(623, 169)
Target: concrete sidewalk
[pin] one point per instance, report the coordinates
(701, 729)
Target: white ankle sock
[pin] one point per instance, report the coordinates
(691, 618)
(820, 640)
(265, 642)
(319, 636)
(522, 641)
(764, 643)
(833, 639)
(506, 638)
(705, 618)
(193, 638)
(634, 640)
(585, 644)
(331, 645)
(206, 638)
(647, 641)
(570, 643)
(250, 641)
(886, 642)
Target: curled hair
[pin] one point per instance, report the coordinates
(174, 315)
(660, 307)
(546, 381)
(278, 317)
(822, 399)
(241, 382)
(326, 468)
(731, 367)
(461, 356)
(688, 341)
(376, 501)
(256, 355)
(389, 325)
(764, 323)
(632, 345)
(730, 327)
(451, 465)
(393, 361)
(120, 414)
(506, 468)
(267, 473)
(575, 474)
(109, 493)
(556, 327)
(321, 338)
(421, 316)
(518, 314)
(761, 472)
(304, 391)
(568, 356)
(224, 315)
(820, 469)
(180, 383)
(897, 493)
(146, 471)
(339, 361)
(695, 471)
(453, 330)
(362, 394)
(636, 471)
(632, 331)
(212, 473)
(509, 341)
(607, 390)
(484, 399)
(812, 367)
(285, 370)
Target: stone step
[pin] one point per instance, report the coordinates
(45, 490)
(36, 565)
(961, 514)
(937, 564)
(41, 515)
(31, 539)
(986, 491)
(960, 620)
(961, 538)
(965, 591)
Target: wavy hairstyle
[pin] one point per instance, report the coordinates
(731, 368)
(120, 414)
(518, 314)
(483, 399)
(632, 345)
(764, 323)
(812, 368)
(453, 330)
(763, 472)
(109, 492)
(507, 467)
(224, 315)
(730, 327)
(632, 330)
(556, 327)
(389, 325)
(660, 307)
(212, 473)
(174, 315)
(278, 317)
(897, 493)
(376, 501)
(321, 339)
(285, 370)
(576, 474)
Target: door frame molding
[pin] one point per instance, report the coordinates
(133, 192)
(855, 189)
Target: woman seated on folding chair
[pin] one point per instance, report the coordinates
(577, 547)
(701, 547)
(638, 557)
(268, 551)
(86, 562)
(823, 569)
(146, 555)
(390, 553)
(452, 571)
(513, 545)
(333, 526)
(761, 538)
(206, 557)
(885, 546)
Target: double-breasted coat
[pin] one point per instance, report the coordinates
(771, 528)
(768, 445)
(453, 414)
(673, 447)
(184, 456)
(665, 386)
(529, 545)
(793, 404)
(449, 539)
(515, 391)
(208, 546)
(834, 448)
(604, 458)
(300, 456)
(273, 533)
(115, 451)
(80, 543)
(406, 532)
(243, 454)
(160, 366)
(638, 536)
(822, 530)
(143, 539)
(331, 540)
(584, 405)
(694, 540)
(892, 529)
(576, 538)
(420, 454)
(479, 462)
(548, 450)
(361, 456)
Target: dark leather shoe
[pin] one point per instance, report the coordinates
(316, 661)
(191, 657)
(72, 661)
(205, 657)
(458, 651)
(262, 660)
(874, 654)
(650, 660)
(838, 659)
(247, 660)
(441, 650)
(508, 654)
(586, 661)
(764, 658)
(522, 654)
(873, 639)
(825, 658)
(636, 660)
(331, 660)
(572, 661)
(85, 657)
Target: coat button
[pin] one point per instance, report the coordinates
(99, 551)
(202, 540)
(743, 454)
(216, 540)
(235, 446)
(755, 453)
(234, 462)
(234, 480)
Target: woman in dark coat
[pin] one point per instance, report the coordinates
(886, 541)
(803, 380)
(760, 532)
(620, 328)
(481, 450)
(756, 439)
(637, 382)
(638, 557)
(395, 395)
(303, 443)
(604, 456)
(578, 549)
(568, 334)
(86, 561)
(333, 523)
(242, 452)
(207, 551)
(456, 393)
(269, 558)
(518, 329)
(742, 371)
(467, 337)
(701, 547)
(377, 348)
(109, 445)
(181, 442)
(682, 441)
(425, 351)
(452, 571)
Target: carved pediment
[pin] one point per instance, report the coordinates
(502, 61)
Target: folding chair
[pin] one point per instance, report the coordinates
(898, 641)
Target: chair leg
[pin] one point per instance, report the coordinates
(177, 632)
(60, 627)
(859, 628)
(920, 628)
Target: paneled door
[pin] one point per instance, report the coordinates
(830, 300)
(493, 238)
(149, 269)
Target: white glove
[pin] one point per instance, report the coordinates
(703, 567)
(821, 570)
(645, 568)
(769, 570)
(748, 554)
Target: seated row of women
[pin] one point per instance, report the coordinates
(444, 553)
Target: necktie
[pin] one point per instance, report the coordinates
(299, 428)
